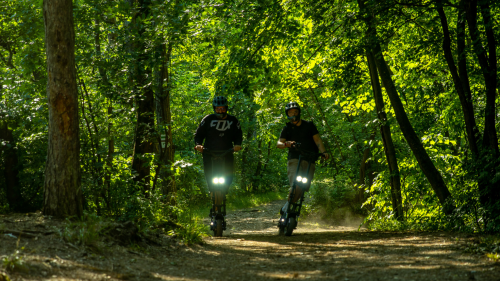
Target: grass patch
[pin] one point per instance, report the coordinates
(84, 231)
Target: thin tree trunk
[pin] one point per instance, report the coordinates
(363, 167)
(144, 101)
(320, 109)
(462, 88)
(489, 191)
(267, 159)
(62, 193)
(488, 63)
(109, 158)
(166, 147)
(423, 159)
(106, 88)
(385, 131)
(11, 171)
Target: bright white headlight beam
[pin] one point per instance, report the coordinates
(216, 180)
(221, 180)
(304, 180)
(299, 178)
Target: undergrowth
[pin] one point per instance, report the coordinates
(15, 261)
(84, 231)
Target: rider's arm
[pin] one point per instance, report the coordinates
(320, 145)
(283, 143)
(200, 134)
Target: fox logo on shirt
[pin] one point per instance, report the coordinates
(221, 125)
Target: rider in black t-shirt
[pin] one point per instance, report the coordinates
(220, 131)
(305, 133)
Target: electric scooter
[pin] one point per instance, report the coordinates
(289, 218)
(219, 190)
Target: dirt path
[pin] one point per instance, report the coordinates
(251, 250)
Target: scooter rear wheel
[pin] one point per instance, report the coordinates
(290, 226)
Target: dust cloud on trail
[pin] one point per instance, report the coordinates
(264, 220)
(252, 250)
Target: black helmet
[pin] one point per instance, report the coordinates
(220, 101)
(292, 105)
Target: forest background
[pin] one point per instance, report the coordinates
(405, 96)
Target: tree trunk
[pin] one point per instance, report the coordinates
(385, 131)
(11, 171)
(488, 67)
(109, 158)
(461, 86)
(320, 109)
(363, 168)
(489, 191)
(144, 103)
(163, 114)
(424, 161)
(62, 193)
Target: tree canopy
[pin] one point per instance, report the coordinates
(404, 95)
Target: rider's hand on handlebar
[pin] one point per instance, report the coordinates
(325, 156)
(289, 143)
(199, 148)
(237, 148)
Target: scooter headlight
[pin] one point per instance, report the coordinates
(299, 178)
(304, 180)
(221, 180)
(216, 180)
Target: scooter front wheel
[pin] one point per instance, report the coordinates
(218, 228)
(288, 229)
(281, 230)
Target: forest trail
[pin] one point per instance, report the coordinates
(252, 250)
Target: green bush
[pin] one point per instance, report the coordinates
(331, 196)
(84, 231)
(191, 230)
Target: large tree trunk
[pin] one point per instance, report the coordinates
(63, 196)
(385, 131)
(163, 114)
(424, 161)
(11, 170)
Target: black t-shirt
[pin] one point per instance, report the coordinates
(219, 134)
(303, 134)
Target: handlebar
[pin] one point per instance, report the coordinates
(306, 153)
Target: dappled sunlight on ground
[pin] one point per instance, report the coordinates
(252, 250)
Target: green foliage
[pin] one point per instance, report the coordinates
(148, 211)
(84, 231)
(192, 230)
(485, 245)
(14, 261)
(329, 196)
(261, 54)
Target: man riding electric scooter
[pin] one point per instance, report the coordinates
(222, 135)
(303, 142)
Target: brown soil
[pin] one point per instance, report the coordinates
(250, 250)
